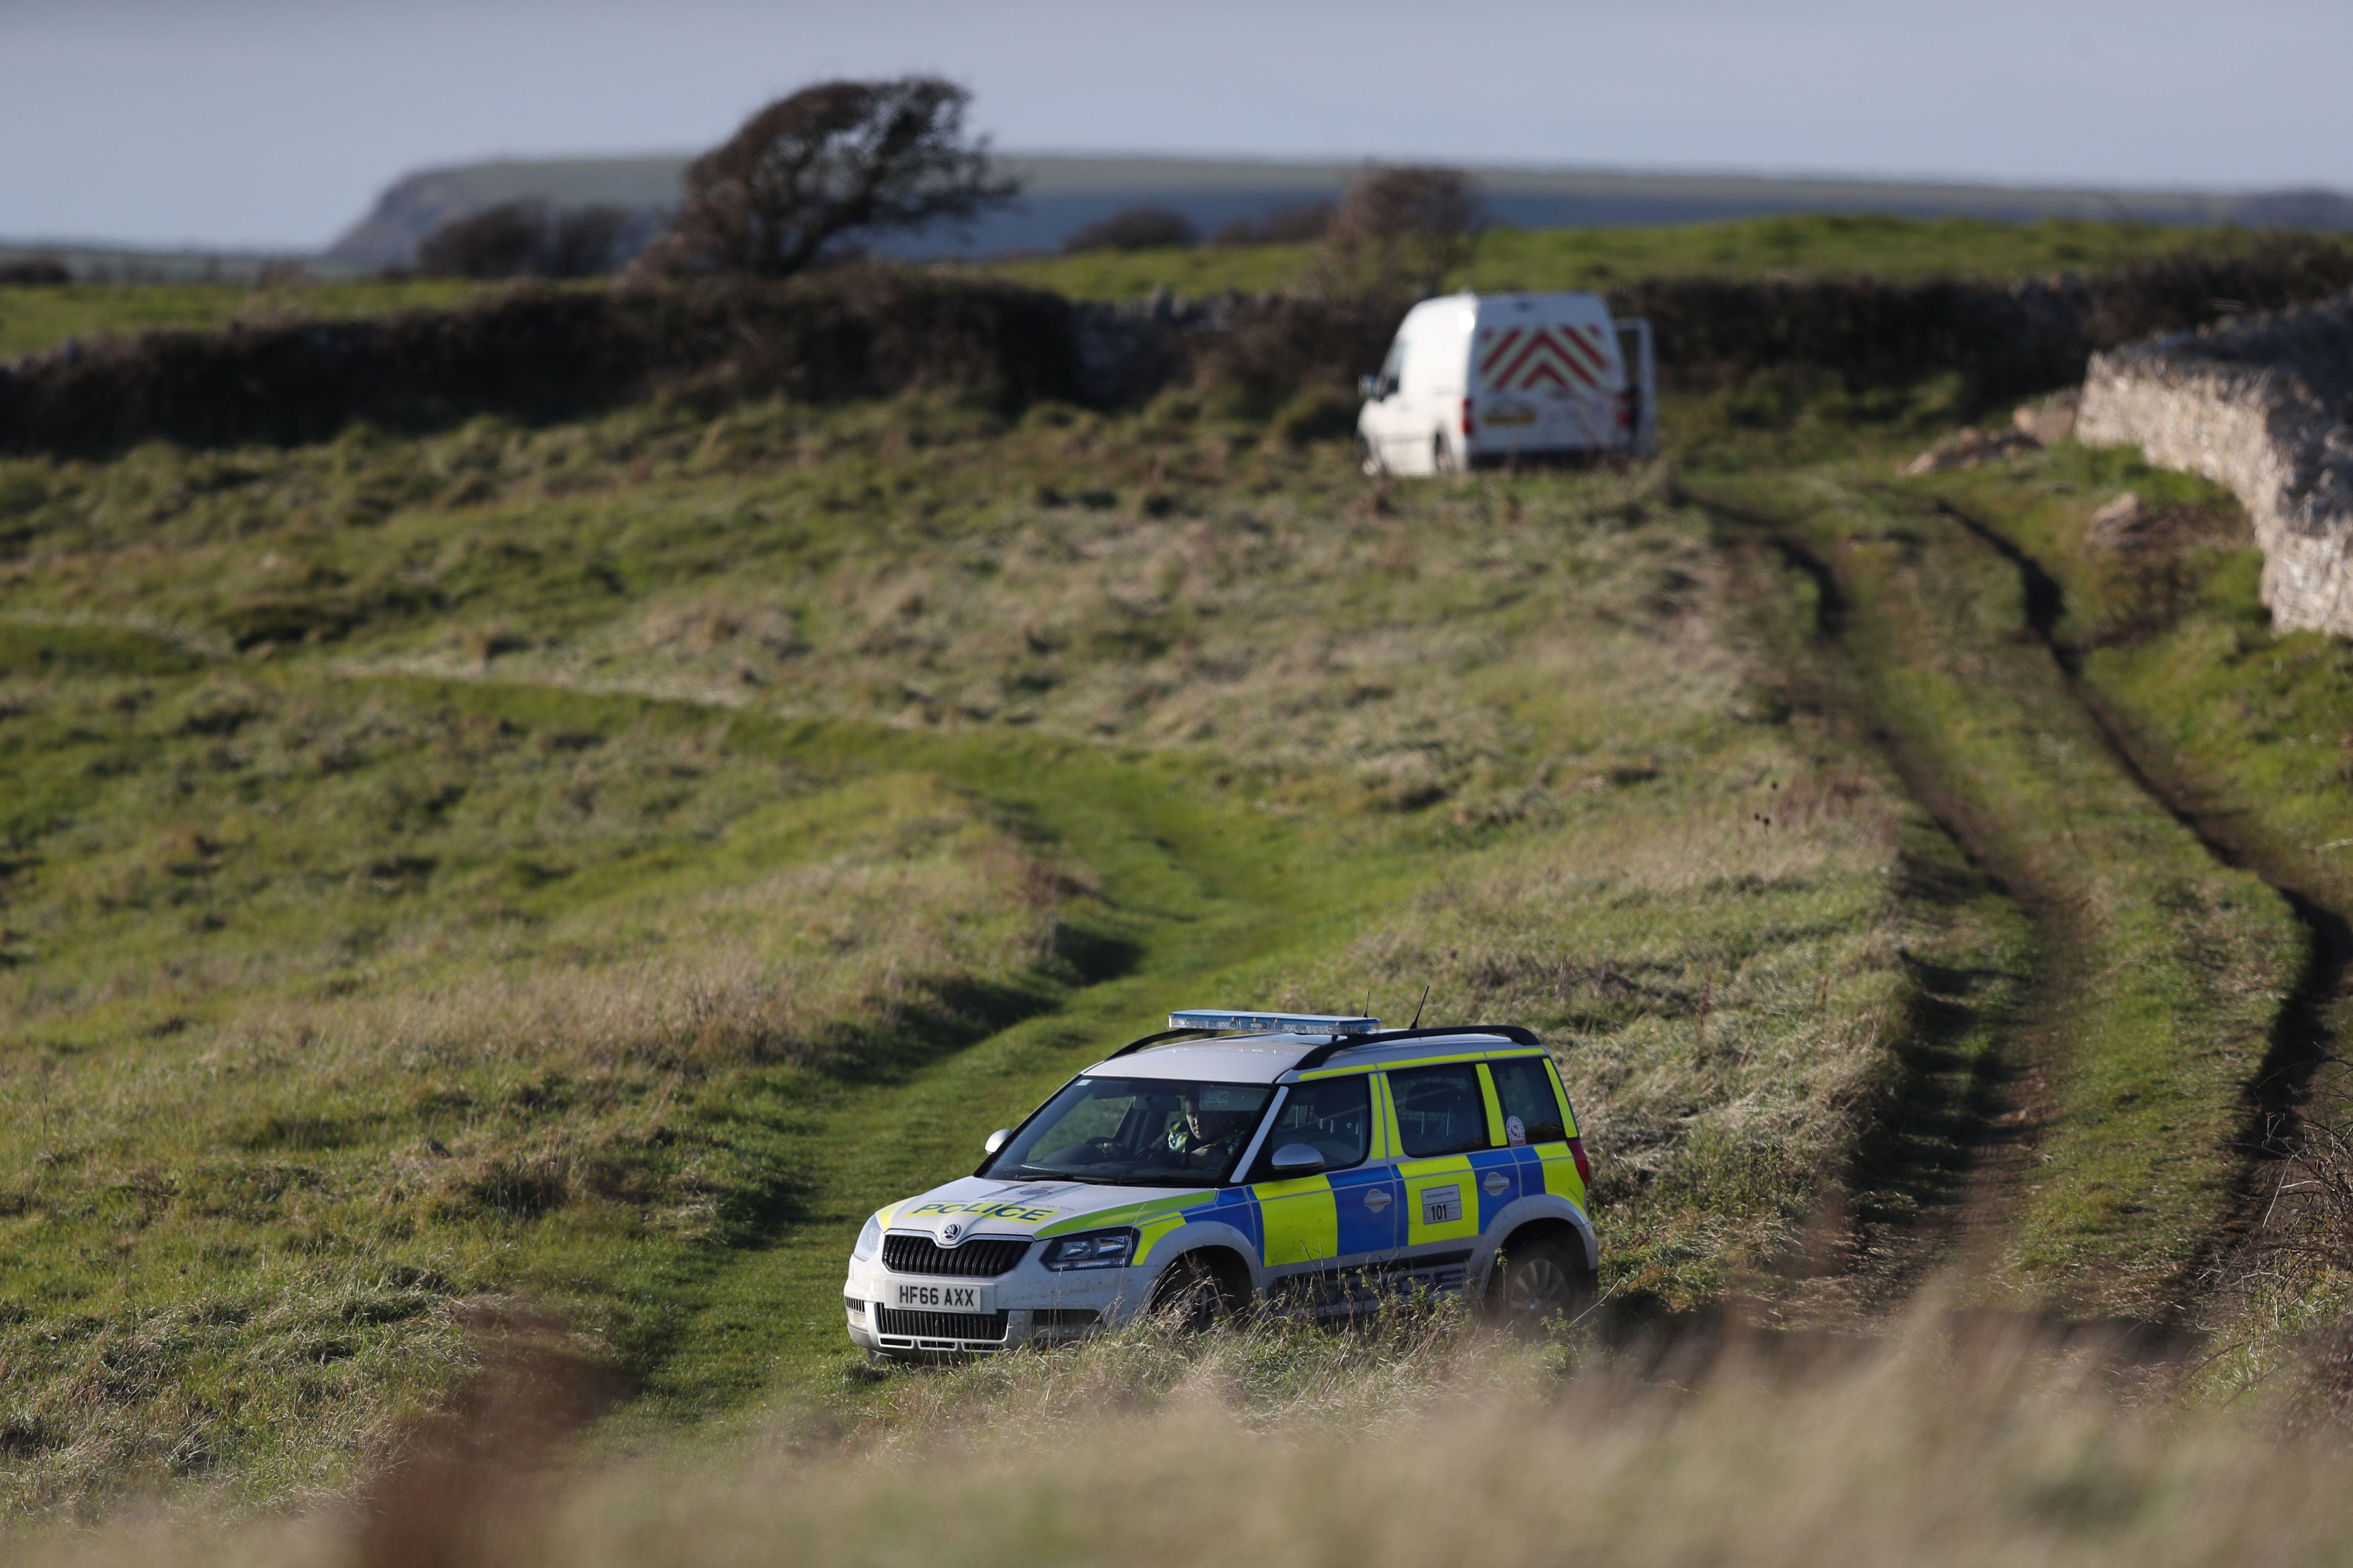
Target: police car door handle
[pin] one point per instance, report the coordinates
(1377, 1198)
(1496, 1181)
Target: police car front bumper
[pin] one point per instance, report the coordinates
(1029, 1304)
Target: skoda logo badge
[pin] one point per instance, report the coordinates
(950, 1231)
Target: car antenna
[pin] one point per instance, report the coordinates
(1417, 1007)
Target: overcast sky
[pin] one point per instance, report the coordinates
(273, 123)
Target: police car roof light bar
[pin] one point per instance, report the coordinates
(1229, 1021)
(1326, 1052)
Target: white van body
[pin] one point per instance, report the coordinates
(1490, 380)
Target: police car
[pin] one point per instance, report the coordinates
(1304, 1162)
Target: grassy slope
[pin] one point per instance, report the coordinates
(1836, 243)
(2166, 969)
(586, 868)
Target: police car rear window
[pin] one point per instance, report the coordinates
(1439, 1110)
(1531, 1110)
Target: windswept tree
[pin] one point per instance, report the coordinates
(1399, 231)
(810, 176)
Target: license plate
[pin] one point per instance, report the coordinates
(940, 1295)
(1503, 417)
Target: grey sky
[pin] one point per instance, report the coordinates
(265, 122)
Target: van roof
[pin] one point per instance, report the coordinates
(1521, 298)
(1274, 1057)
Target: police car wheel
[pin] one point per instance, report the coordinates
(1192, 1297)
(1538, 1282)
(1442, 458)
(1368, 459)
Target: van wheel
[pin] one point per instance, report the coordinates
(1537, 1281)
(1192, 1297)
(1368, 459)
(1441, 456)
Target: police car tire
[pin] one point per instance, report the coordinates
(1441, 456)
(1192, 1293)
(1368, 459)
(1546, 1280)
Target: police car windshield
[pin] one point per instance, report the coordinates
(1137, 1131)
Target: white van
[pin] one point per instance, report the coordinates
(1489, 380)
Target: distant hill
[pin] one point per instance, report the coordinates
(1063, 193)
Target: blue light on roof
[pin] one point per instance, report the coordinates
(1271, 1023)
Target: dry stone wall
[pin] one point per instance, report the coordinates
(2262, 405)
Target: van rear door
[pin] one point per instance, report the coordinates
(1549, 375)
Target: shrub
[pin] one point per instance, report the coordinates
(34, 269)
(502, 241)
(1295, 225)
(1398, 233)
(526, 240)
(1134, 228)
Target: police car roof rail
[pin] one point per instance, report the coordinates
(1162, 1036)
(1330, 1048)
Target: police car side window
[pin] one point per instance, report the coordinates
(1525, 1094)
(1335, 1116)
(1439, 1110)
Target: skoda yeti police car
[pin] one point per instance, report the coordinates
(1304, 1161)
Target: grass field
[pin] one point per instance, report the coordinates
(592, 867)
(550, 884)
(36, 318)
(1818, 245)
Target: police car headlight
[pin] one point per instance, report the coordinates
(1092, 1249)
(869, 1240)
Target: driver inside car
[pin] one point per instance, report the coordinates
(1207, 1137)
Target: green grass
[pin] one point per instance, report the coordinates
(34, 318)
(583, 870)
(2248, 728)
(1817, 244)
(2164, 970)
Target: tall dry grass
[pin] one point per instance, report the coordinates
(1953, 1440)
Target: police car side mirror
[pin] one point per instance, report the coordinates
(1296, 1159)
(996, 1141)
(1368, 388)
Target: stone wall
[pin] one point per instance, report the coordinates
(2262, 405)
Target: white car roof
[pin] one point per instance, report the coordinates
(1267, 1059)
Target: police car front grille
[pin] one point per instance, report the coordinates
(941, 1325)
(976, 1260)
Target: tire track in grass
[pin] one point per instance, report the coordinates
(2302, 1036)
(2163, 972)
(1985, 1080)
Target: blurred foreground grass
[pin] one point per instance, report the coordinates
(1956, 1439)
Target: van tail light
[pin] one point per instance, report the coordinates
(1625, 412)
(1584, 1165)
(1468, 429)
